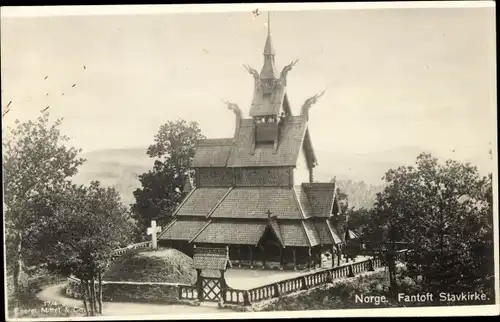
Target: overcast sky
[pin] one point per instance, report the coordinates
(393, 77)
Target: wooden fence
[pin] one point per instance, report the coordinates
(284, 287)
(121, 251)
(274, 290)
(116, 252)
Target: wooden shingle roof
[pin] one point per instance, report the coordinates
(277, 231)
(230, 232)
(324, 233)
(293, 234)
(292, 133)
(311, 232)
(337, 239)
(255, 202)
(304, 201)
(182, 229)
(201, 201)
(321, 197)
(212, 153)
(210, 258)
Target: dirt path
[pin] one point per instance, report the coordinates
(54, 294)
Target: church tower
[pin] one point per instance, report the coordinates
(269, 94)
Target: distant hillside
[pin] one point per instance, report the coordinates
(359, 193)
(119, 168)
(116, 168)
(368, 167)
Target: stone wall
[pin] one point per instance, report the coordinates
(130, 292)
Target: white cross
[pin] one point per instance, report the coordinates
(152, 231)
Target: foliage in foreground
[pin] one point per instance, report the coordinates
(36, 163)
(445, 212)
(342, 295)
(89, 225)
(25, 304)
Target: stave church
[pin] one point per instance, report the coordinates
(255, 194)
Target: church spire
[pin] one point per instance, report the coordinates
(269, 69)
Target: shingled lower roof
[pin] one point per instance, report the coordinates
(210, 259)
(212, 153)
(335, 235)
(201, 201)
(293, 234)
(182, 229)
(273, 224)
(290, 141)
(244, 233)
(304, 201)
(321, 198)
(324, 233)
(311, 233)
(255, 202)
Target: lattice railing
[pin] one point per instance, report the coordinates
(188, 292)
(305, 282)
(234, 296)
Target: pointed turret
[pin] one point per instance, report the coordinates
(269, 69)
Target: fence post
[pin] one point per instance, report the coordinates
(246, 299)
(276, 290)
(304, 283)
(351, 273)
(179, 292)
(370, 265)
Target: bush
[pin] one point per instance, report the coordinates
(25, 304)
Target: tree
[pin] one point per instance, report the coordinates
(444, 210)
(359, 222)
(35, 163)
(85, 230)
(163, 187)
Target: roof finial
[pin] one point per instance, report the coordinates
(269, 22)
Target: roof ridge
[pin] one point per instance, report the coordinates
(305, 232)
(168, 227)
(333, 201)
(296, 197)
(316, 185)
(301, 146)
(184, 201)
(219, 202)
(200, 231)
(331, 229)
(277, 230)
(215, 141)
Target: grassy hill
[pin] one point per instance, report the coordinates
(162, 265)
